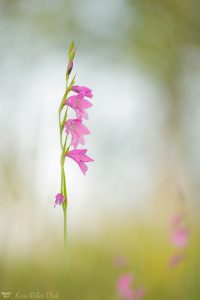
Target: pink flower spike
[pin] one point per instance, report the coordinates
(82, 89)
(77, 131)
(59, 199)
(79, 104)
(124, 287)
(79, 156)
(180, 237)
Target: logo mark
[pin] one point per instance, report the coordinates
(6, 294)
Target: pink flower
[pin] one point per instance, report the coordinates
(77, 131)
(175, 260)
(79, 156)
(180, 237)
(59, 199)
(79, 104)
(82, 89)
(124, 287)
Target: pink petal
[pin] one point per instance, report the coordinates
(83, 168)
(180, 237)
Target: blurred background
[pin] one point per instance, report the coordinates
(141, 59)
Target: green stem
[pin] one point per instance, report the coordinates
(65, 226)
(63, 187)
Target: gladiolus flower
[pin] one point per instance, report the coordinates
(77, 131)
(83, 90)
(79, 156)
(180, 237)
(59, 199)
(79, 104)
(124, 287)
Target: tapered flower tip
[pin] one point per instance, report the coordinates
(72, 51)
(59, 199)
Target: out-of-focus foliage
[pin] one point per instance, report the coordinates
(90, 272)
(159, 32)
(162, 32)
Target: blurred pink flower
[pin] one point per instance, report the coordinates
(124, 287)
(82, 89)
(180, 237)
(79, 104)
(175, 260)
(77, 131)
(79, 156)
(59, 199)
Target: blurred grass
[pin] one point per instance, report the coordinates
(90, 272)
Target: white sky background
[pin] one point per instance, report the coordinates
(128, 134)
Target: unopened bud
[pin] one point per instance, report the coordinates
(70, 67)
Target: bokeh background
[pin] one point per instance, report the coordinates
(141, 58)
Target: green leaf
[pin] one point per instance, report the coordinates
(71, 56)
(71, 48)
(64, 120)
(63, 100)
(71, 83)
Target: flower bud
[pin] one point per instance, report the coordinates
(69, 67)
